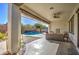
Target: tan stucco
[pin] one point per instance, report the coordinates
(43, 9)
(59, 24)
(14, 20)
(74, 37)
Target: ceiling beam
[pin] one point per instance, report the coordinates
(24, 9)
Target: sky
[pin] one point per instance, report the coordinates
(4, 16)
(3, 13)
(26, 20)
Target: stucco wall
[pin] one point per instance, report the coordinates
(62, 24)
(13, 28)
(74, 36)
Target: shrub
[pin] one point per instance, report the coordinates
(2, 36)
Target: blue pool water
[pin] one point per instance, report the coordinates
(31, 32)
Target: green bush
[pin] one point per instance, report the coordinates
(2, 36)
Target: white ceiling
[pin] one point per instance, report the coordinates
(44, 9)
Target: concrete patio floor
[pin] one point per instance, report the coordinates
(65, 48)
(49, 47)
(3, 47)
(41, 47)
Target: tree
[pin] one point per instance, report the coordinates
(26, 27)
(38, 26)
(29, 27)
(44, 27)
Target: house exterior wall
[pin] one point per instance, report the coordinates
(74, 36)
(64, 26)
(60, 24)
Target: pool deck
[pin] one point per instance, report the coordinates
(30, 38)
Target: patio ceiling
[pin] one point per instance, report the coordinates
(47, 10)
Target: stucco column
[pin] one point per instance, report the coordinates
(14, 28)
(49, 29)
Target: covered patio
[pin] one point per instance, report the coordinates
(58, 17)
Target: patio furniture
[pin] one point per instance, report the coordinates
(66, 36)
(57, 37)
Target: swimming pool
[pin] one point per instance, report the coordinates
(29, 36)
(31, 32)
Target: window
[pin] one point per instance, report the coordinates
(71, 25)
